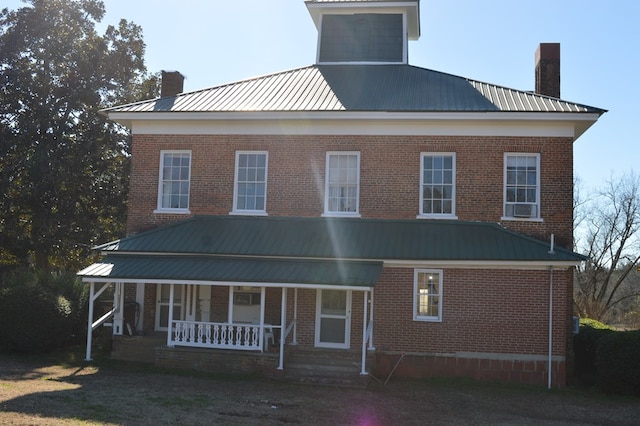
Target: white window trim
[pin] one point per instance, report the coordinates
(240, 212)
(452, 215)
(538, 217)
(425, 318)
(159, 208)
(327, 213)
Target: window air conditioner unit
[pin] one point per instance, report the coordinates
(524, 210)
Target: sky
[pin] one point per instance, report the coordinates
(214, 42)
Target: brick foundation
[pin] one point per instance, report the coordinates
(216, 361)
(505, 368)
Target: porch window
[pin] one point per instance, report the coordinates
(427, 305)
(175, 177)
(342, 184)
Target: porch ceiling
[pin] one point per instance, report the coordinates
(225, 269)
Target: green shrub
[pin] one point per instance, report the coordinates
(585, 345)
(618, 362)
(40, 312)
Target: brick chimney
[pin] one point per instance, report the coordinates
(172, 83)
(548, 69)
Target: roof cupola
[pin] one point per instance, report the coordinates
(364, 31)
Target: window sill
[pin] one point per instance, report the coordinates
(427, 319)
(355, 215)
(248, 213)
(172, 211)
(521, 219)
(437, 216)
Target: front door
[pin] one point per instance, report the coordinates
(333, 318)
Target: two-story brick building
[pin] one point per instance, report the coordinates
(416, 221)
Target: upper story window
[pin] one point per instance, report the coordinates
(438, 185)
(175, 177)
(362, 37)
(427, 295)
(250, 188)
(521, 186)
(342, 184)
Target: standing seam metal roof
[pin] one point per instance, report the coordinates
(341, 238)
(389, 88)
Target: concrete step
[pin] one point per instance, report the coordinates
(322, 367)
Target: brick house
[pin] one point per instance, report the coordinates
(411, 222)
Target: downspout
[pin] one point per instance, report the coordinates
(550, 325)
(551, 251)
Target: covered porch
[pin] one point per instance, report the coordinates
(257, 308)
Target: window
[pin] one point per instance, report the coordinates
(175, 174)
(342, 182)
(438, 185)
(427, 294)
(522, 186)
(250, 191)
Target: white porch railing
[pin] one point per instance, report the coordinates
(217, 335)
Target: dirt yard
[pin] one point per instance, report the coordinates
(48, 391)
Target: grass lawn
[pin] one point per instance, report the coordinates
(62, 389)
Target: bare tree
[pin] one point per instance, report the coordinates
(607, 228)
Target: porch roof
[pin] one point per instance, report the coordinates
(341, 238)
(233, 270)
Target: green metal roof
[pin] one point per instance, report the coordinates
(370, 88)
(208, 268)
(341, 238)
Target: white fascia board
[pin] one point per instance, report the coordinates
(537, 265)
(359, 123)
(410, 8)
(222, 283)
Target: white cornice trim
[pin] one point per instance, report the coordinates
(537, 265)
(359, 123)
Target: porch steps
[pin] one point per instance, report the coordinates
(321, 367)
(136, 348)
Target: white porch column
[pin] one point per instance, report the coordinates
(118, 303)
(263, 293)
(189, 302)
(283, 324)
(170, 320)
(371, 347)
(363, 370)
(140, 302)
(295, 316)
(90, 322)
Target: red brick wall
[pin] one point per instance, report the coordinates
(497, 311)
(389, 176)
(495, 326)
